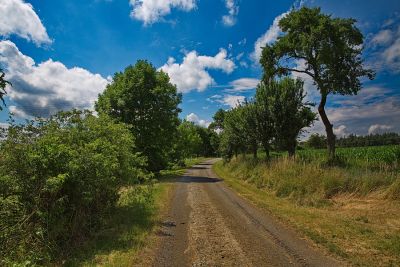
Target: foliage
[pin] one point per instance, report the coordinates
(189, 142)
(369, 140)
(290, 114)
(59, 178)
(277, 114)
(326, 49)
(265, 124)
(145, 99)
(316, 141)
(233, 135)
(218, 120)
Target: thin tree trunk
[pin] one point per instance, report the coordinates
(330, 136)
(266, 149)
(255, 151)
(292, 152)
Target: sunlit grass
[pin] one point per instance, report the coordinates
(353, 213)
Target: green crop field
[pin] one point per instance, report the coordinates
(369, 157)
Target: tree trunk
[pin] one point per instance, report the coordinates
(254, 148)
(292, 152)
(266, 149)
(330, 136)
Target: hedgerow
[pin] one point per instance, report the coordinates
(59, 179)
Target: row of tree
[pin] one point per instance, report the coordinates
(276, 116)
(327, 50)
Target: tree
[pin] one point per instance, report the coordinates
(265, 127)
(290, 113)
(232, 136)
(316, 141)
(189, 142)
(249, 117)
(218, 120)
(59, 179)
(3, 84)
(326, 49)
(145, 99)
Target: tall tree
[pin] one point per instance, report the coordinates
(218, 120)
(326, 49)
(145, 99)
(249, 119)
(290, 112)
(3, 84)
(189, 142)
(233, 134)
(265, 126)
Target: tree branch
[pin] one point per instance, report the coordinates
(301, 71)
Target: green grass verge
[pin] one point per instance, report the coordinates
(128, 228)
(362, 229)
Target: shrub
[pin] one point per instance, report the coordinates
(59, 178)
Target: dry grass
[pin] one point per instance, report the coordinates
(352, 214)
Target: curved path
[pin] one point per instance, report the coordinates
(209, 225)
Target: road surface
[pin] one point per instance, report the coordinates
(209, 225)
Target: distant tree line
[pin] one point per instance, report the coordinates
(319, 141)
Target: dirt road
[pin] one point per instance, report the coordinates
(209, 225)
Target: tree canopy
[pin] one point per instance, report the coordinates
(145, 99)
(326, 49)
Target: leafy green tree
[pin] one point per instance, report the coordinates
(3, 84)
(59, 178)
(218, 120)
(189, 142)
(232, 136)
(316, 141)
(326, 49)
(207, 136)
(290, 113)
(145, 99)
(249, 116)
(264, 116)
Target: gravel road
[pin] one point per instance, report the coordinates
(209, 225)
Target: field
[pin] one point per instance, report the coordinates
(350, 208)
(373, 157)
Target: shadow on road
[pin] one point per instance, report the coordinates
(198, 179)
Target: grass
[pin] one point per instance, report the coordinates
(128, 230)
(354, 213)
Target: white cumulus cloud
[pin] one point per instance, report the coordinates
(18, 17)
(270, 36)
(379, 128)
(192, 73)
(45, 88)
(151, 11)
(232, 100)
(192, 117)
(233, 11)
(243, 84)
(340, 131)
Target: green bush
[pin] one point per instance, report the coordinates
(59, 178)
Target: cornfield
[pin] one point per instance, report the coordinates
(373, 156)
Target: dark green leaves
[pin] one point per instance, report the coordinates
(144, 98)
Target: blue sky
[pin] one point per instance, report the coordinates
(61, 54)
